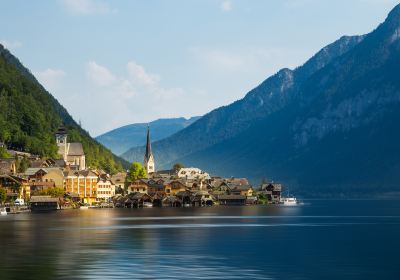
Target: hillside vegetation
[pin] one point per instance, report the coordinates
(29, 117)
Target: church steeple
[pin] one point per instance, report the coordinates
(148, 156)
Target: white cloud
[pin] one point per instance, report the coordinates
(11, 45)
(99, 75)
(51, 79)
(87, 7)
(136, 95)
(140, 76)
(226, 5)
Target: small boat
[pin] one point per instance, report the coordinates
(147, 204)
(289, 201)
(3, 211)
(84, 206)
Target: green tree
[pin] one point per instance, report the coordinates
(53, 192)
(177, 167)
(23, 164)
(4, 153)
(3, 195)
(136, 171)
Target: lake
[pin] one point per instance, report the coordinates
(321, 239)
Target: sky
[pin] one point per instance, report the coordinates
(113, 63)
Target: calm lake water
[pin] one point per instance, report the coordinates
(348, 239)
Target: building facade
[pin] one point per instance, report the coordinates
(83, 183)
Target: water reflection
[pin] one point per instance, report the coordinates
(202, 243)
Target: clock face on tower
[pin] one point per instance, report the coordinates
(61, 139)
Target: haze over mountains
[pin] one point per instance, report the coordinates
(327, 127)
(121, 139)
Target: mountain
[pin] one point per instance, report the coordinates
(123, 138)
(329, 127)
(30, 116)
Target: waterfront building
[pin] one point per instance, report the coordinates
(72, 153)
(272, 191)
(149, 163)
(105, 190)
(15, 186)
(173, 187)
(83, 183)
(44, 203)
(138, 186)
(231, 199)
(202, 198)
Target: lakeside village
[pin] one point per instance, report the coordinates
(50, 184)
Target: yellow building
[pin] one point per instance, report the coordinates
(54, 175)
(173, 187)
(83, 183)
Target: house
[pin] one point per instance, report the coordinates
(82, 182)
(138, 186)
(16, 187)
(37, 187)
(44, 203)
(156, 187)
(245, 190)
(105, 190)
(231, 199)
(192, 173)
(272, 191)
(8, 166)
(202, 198)
(50, 174)
(119, 180)
(173, 187)
(72, 153)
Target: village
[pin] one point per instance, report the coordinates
(66, 182)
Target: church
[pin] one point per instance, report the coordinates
(72, 153)
(149, 163)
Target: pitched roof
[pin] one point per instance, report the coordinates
(231, 196)
(75, 149)
(33, 170)
(239, 187)
(43, 198)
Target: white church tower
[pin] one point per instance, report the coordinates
(148, 157)
(61, 140)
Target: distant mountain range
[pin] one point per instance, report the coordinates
(329, 127)
(121, 139)
(30, 116)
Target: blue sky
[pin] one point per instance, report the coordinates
(112, 63)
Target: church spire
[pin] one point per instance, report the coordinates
(148, 156)
(148, 145)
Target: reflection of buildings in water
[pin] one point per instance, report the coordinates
(86, 235)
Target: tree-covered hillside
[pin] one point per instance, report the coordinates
(29, 117)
